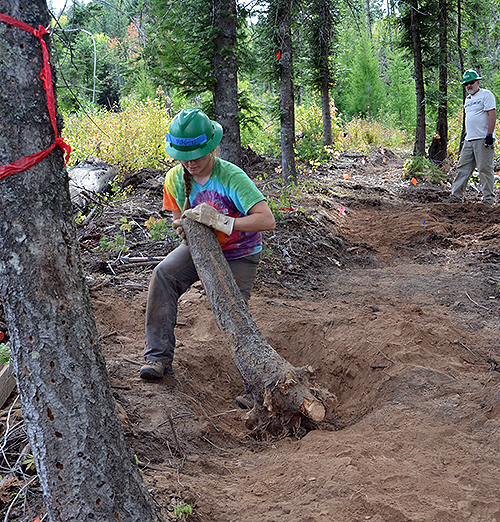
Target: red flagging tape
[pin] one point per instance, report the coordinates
(46, 77)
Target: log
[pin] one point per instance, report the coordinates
(87, 180)
(284, 396)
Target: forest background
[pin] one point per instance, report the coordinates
(125, 67)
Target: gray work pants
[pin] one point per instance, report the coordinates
(475, 154)
(170, 279)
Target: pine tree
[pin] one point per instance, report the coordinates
(363, 93)
(287, 102)
(400, 90)
(320, 34)
(225, 69)
(197, 56)
(439, 146)
(277, 70)
(411, 38)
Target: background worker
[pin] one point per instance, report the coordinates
(221, 196)
(477, 150)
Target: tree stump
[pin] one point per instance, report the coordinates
(284, 397)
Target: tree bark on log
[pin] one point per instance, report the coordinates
(284, 397)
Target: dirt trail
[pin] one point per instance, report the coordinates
(395, 302)
(390, 294)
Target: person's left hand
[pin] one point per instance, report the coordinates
(488, 141)
(208, 215)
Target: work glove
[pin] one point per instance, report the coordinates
(207, 215)
(488, 141)
(178, 229)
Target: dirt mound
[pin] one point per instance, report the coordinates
(390, 294)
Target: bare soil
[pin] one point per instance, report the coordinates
(391, 294)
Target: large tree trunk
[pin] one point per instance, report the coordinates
(326, 113)
(225, 68)
(438, 150)
(461, 62)
(83, 463)
(287, 106)
(419, 146)
(282, 393)
(325, 32)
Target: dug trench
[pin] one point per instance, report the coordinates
(390, 294)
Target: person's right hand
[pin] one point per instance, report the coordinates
(209, 216)
(177, 226)
(488, 141)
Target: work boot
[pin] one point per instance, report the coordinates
(245, 402)
(156, 370)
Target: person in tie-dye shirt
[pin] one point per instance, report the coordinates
(216, 193)
(229, 190)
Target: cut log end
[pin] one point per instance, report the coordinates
(314, 409)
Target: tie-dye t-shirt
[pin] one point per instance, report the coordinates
(230, 191)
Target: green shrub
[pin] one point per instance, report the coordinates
(262, 134)
(135, 137)
(116, 244)
(130, 140)
(420, 166)
(363, 135)
(159, 229)
(183, 511)
(454, 134)
(309, 128)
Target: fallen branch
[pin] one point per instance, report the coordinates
(132, 361)
(381, 353)
(149, 259)
(171, 422)
(18, 494)
(468, 349)
(477, 304)
(227, 451)
(494, 364)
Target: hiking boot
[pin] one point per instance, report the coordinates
(156, 369)
(245, 402)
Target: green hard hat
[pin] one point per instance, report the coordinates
(470, 76)
(191, 135)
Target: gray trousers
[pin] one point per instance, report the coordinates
(475, 154)
(170, 279)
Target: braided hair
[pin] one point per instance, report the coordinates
(187, 187)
